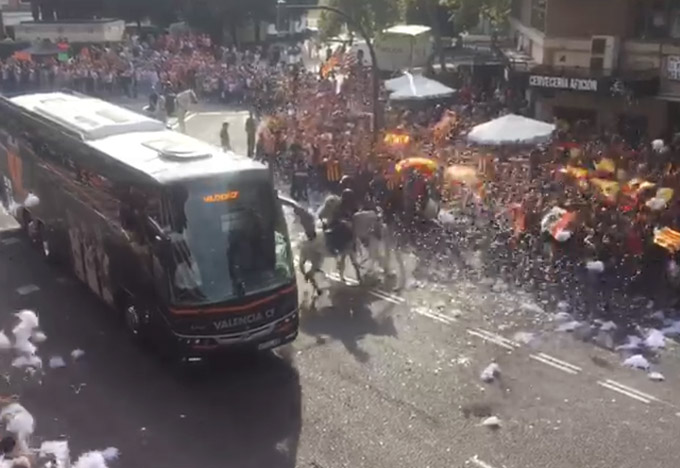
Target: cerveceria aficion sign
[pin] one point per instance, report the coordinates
(560, 82)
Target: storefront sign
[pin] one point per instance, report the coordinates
(559, 82)
(673, 67)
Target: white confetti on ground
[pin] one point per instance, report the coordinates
(493, 422)
(38, 337)
(27, 361)
(4, 341)
(562, 316)
(673, 329)
(490, 373)
(463, 361)
(569, 326)
(655, 339)
(524, 337)
(27, 289)
(656, 376)
(18, 422)
(57, 449)
(532, 307)
(595, 267)
(632, 343)
(96, 458)
(608, 326)
(637, 361)
(24, 333)
(57, 362)
(77, 354)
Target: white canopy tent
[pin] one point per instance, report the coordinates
(511, 129)
(411, 86)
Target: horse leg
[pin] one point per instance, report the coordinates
(355, 264)
(308, 275)
(341, 266)
(389, 245)
(310, 278)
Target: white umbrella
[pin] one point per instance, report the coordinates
(411, 86)
(511, 129)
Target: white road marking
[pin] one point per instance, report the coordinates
(388, 296)
(379, 293)
(213, 114)
(493, 338)
(477, 462)
(27, 289)
(556, 363)
(628, 391)
(10, 241)
(434, 315)
(634, 396)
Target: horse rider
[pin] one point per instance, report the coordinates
(359, 193)
(170, 98)
(337, 222)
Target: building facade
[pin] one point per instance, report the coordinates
(615, 63)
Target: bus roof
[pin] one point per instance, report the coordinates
(92, 118)
(135, 140)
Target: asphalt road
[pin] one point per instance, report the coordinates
(377, 378)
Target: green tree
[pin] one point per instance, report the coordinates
(217, 16)
(372, 15)
(464, 14)
(159, 12)
(468, 12)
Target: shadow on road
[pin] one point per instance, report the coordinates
(348, 319)
(244, 412)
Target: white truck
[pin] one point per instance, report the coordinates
(401, 47)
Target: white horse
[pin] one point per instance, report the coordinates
(160, 112)
(183, 102)
(315, 251)
(367, 230)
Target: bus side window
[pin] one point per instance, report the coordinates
(136, 204)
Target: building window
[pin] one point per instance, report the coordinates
(675, 23)
(673, 67)
(538, 10)
(596, 64)
(657, 19)
(598, 46)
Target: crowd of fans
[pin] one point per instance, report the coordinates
(137, 67)
(316, 127)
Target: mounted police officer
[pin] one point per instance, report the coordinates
(170, 99)
(337, 222)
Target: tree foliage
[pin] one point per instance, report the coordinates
(377, 14)
(159, 12)
(466, 13)
(214, 16)
(372, 15)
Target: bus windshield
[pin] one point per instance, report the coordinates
(229, 239)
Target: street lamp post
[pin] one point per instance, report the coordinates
(281, 5)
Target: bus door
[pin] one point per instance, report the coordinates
(135, 265)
